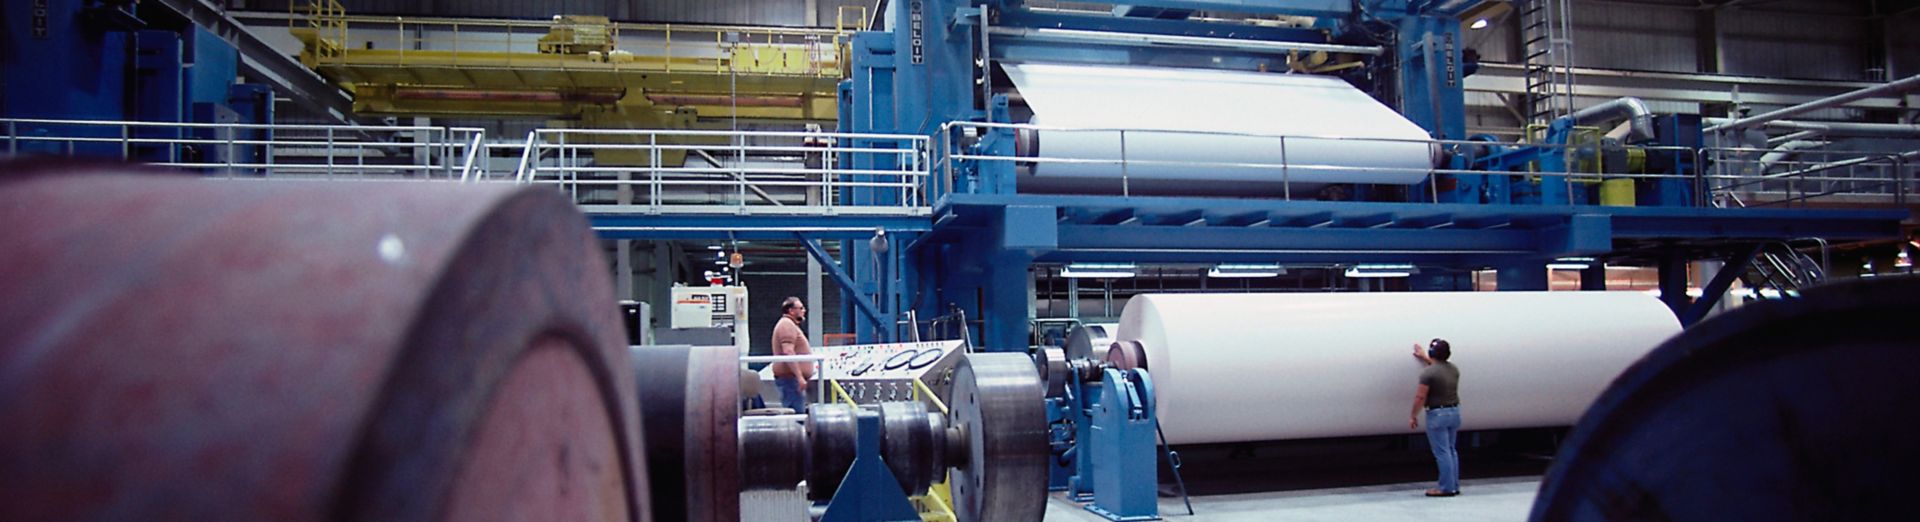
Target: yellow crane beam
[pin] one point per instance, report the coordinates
(574, 66)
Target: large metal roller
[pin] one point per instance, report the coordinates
(831, 438)
(994, 443)
(1251, 367)
(1780, 410)
(1090, 340)
(997, 403)
(179, 349)
(690, 407)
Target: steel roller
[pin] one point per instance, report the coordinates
(997, 406)
(832, 433)
(690, 407)
(1089, 340)
(180, 349)
(915, 445)
(1054, 368)
(773, 452)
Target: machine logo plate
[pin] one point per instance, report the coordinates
(918, 25)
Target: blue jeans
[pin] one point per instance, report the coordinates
(1443, 429)
(792, 397)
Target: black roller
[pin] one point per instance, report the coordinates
(832, 433)
(690, 410)
(1781, 410)
(773, 453)
(909, 446)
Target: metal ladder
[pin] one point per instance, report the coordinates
(1547, 27)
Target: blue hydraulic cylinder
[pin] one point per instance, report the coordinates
(1123, 448)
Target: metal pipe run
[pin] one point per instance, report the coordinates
(1633, 109)
(1894, 87)
(1870, 130)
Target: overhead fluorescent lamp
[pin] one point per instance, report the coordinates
(1377, 270)
(1099, 270)
(1571, 263)
(1481, 15)
(1245, 270)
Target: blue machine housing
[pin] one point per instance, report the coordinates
(113, 61)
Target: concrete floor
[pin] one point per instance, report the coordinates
(1485, 499)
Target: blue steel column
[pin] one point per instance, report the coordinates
(1673, 282)
(986, 273)
(1594, 277)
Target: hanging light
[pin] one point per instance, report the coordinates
(1100, 270)
(1246, 270)
(1381, 270)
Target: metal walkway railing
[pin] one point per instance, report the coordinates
(730, 172)
(1732, 174)
(815, 173)
(236, 150)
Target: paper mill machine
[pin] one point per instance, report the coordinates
(1312, 132)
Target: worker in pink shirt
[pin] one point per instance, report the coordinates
(788, 339)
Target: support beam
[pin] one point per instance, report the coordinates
(1723, 280)
(849, 289)
(1594, 278)
(1673, 282)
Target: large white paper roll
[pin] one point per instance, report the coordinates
(1252, 367)
(1150, 102)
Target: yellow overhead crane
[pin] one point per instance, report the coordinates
(601, 72)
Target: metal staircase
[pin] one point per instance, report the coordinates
(1547, 29)
(1785, 270)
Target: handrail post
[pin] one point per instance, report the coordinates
(329, 152)
(229, 155)
(653, 170)
(1126, 189)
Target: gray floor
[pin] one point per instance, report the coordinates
(1489, 499)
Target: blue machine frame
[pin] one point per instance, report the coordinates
(923, 72)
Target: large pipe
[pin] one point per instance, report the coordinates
(1894, 87)
(1633, 109)
(1786, 150)
(1872, 130)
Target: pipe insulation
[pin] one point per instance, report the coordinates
(1639, 117)
(1187, 128)
(1256, 367)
